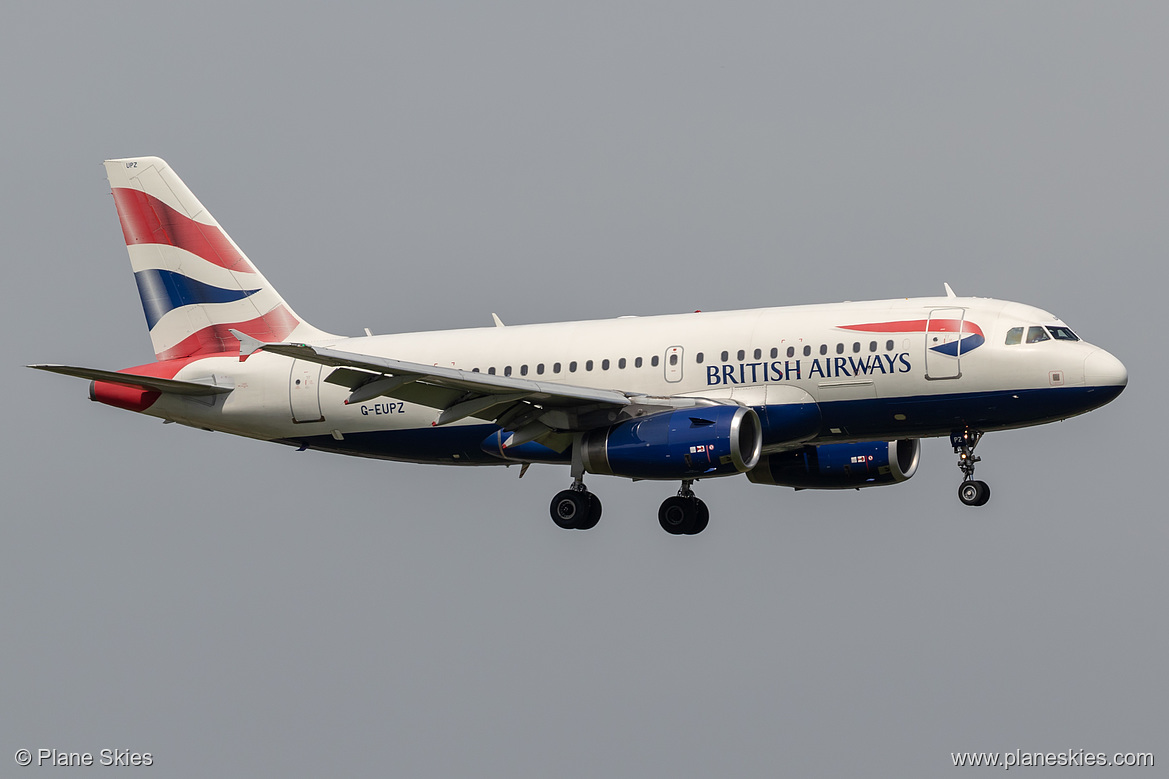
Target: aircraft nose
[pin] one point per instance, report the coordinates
(1101, 369)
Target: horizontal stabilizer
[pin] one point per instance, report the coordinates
(173, 386)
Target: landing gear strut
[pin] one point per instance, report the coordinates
(576, 508)
(684, 513)
(971, 491)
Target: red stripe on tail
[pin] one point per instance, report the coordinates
(273, 326)
(146, 219)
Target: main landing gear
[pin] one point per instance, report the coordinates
(971, 491)
(576, 508)
(684, 514)
(680, 515)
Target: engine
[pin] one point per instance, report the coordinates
(840, 466)
(683, 444)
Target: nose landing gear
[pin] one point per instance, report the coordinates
(971, 491)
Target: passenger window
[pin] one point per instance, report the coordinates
(840, 348)
(507, 371)
(1014, 336)
(556, 367)
(1037, 334)
(889, 346)
(742, 355)
(791, 351)
(588, 365)
(523, 370)
(604, 365)
(774, 352)
(872, 346)
(474, 370)
(540, 369)
(758, 353)
(673, 359)
(637, 363)
(823, 348)
(698, 358)
(654, 360)
(572, 367)
(726, 356)
(491, 371)
(621, 363)
(807, 351)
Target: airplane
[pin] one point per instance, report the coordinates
(829, 396)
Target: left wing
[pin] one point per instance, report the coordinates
(530, 410)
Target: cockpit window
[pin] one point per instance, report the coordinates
(1035, 334)
(1061, 333)
(1014, 336)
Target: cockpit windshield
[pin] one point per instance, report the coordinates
(1061, 333)
(1036, 334)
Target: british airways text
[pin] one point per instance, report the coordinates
(794, 370)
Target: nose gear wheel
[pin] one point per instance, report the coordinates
(971, 491)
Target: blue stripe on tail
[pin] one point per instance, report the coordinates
(163, 290)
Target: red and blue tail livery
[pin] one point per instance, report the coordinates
(196, 285)
(783, 396)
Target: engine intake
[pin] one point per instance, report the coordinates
(840, 466)
(683, 444)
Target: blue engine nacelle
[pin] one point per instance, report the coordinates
(839, 466)
(684, 444)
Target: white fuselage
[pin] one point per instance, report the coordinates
(884, 381)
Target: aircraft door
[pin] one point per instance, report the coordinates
(674, 364)
(304, 384)
(943, 343)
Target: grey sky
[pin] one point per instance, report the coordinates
(241, 609)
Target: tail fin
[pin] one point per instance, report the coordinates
(195, 283)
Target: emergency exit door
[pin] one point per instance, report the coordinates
(673, 364)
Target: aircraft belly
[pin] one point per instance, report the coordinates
(925, 416)
(453, 445)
